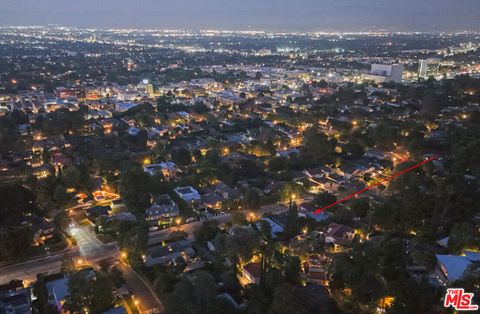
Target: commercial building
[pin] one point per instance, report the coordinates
(381, 73)
(428, 68)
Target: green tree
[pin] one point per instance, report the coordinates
(15, 242)
(288, 299)
(324, 199)
(68, 265)
(181, 156)
(207, 231)
(292, 226)
(463, 236)
(92, 292)
(62, 220)
(360, 207)
(192, 296)
(60, 196)
(135, 189)
(293, 270)
(317, 148)
(40, 291)
(243, 244)
(71, 177)
(343, 215)
(16, 201)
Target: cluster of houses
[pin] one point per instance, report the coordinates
(17, 299)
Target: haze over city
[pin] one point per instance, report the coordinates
(269, 15)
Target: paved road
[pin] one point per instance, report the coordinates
(88, 247)
(91, 249)
(155, 237)
(29, 269)
(143, 294)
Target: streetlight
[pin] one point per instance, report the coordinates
(292, 197)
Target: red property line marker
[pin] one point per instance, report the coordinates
(390, 178)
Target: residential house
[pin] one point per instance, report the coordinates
(251, 272)
(276, 228)
(123, 216)
(167, 169)
(226, 191)
(314, 269)
(57, 289)
(162, 254)
(339, 234)
(452, 267)
(375, 154)
(97, 211)
(43, 231)
(117, 204)
(133, 131)
(308, 210)
(13, 301)
(317, 173)
(163, 208)
(116, 310)
(213, 200)
(307, 207)
(188, 194)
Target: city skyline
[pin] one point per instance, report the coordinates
(280, 15)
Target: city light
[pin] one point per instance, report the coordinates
(320, 166)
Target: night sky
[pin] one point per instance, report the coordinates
(275, 15)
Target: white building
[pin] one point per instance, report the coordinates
(168, 169)
(385, 73)
(188, 193)
(427, 68)
(124, 106)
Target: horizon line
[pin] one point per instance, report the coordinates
(206, 30)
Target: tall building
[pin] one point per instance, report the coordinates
(147, 87)
(130, 65)
(264, 52)
(385, 73)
